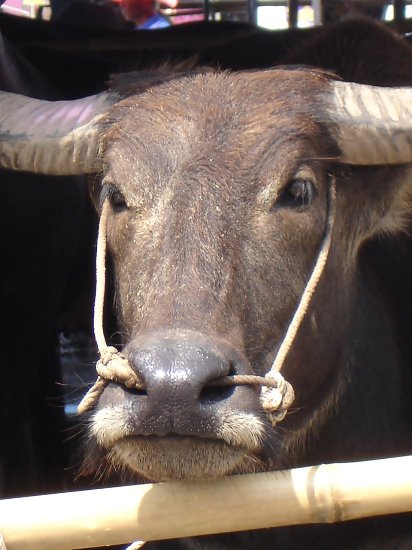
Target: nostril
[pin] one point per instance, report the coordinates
(216, 390)
(133, 391)
(214, 394)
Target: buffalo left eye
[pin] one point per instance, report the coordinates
(298, 193)
(116, 198)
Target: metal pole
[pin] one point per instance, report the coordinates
(206, 9)
(293, 6)
(317, 12)
(252, 11)
(398, 10)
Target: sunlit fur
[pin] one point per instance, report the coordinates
(240, 429)
(239, 435)
(164, 459)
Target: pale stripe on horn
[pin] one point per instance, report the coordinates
(373, 124)
(51, 137)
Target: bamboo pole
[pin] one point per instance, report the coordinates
(317, 494)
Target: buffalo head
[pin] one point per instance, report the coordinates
(218, 186)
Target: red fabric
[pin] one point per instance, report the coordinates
(135, 3)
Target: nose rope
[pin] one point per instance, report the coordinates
(277, 394)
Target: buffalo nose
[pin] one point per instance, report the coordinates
(177, 370)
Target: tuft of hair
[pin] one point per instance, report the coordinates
(133, 82)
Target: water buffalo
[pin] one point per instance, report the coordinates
(216, 188)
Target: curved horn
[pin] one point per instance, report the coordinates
(51, 137)
(373, 124)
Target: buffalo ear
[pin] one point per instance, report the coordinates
(377, 201)
(398, 216)
(372, 128)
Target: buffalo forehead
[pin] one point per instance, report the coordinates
(221, 118)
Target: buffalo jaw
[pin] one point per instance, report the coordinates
(169, 458)
(232, 447)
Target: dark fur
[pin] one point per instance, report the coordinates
(40, 237)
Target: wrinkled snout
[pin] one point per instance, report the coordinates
(178, 370)
(181, 426)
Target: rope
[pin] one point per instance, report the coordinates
(112, 365)
(277, 394)
(277, 401)
(2, 543)
(100, 278)
(134, 546)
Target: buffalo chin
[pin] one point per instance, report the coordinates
(171, 458)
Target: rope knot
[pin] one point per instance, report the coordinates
(276, 400)
(107, 354)
(114, 367)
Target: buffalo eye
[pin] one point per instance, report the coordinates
(116, 198)
(298, 193)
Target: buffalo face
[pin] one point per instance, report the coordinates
(214, 227)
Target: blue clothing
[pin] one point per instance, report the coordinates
(155, 22)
